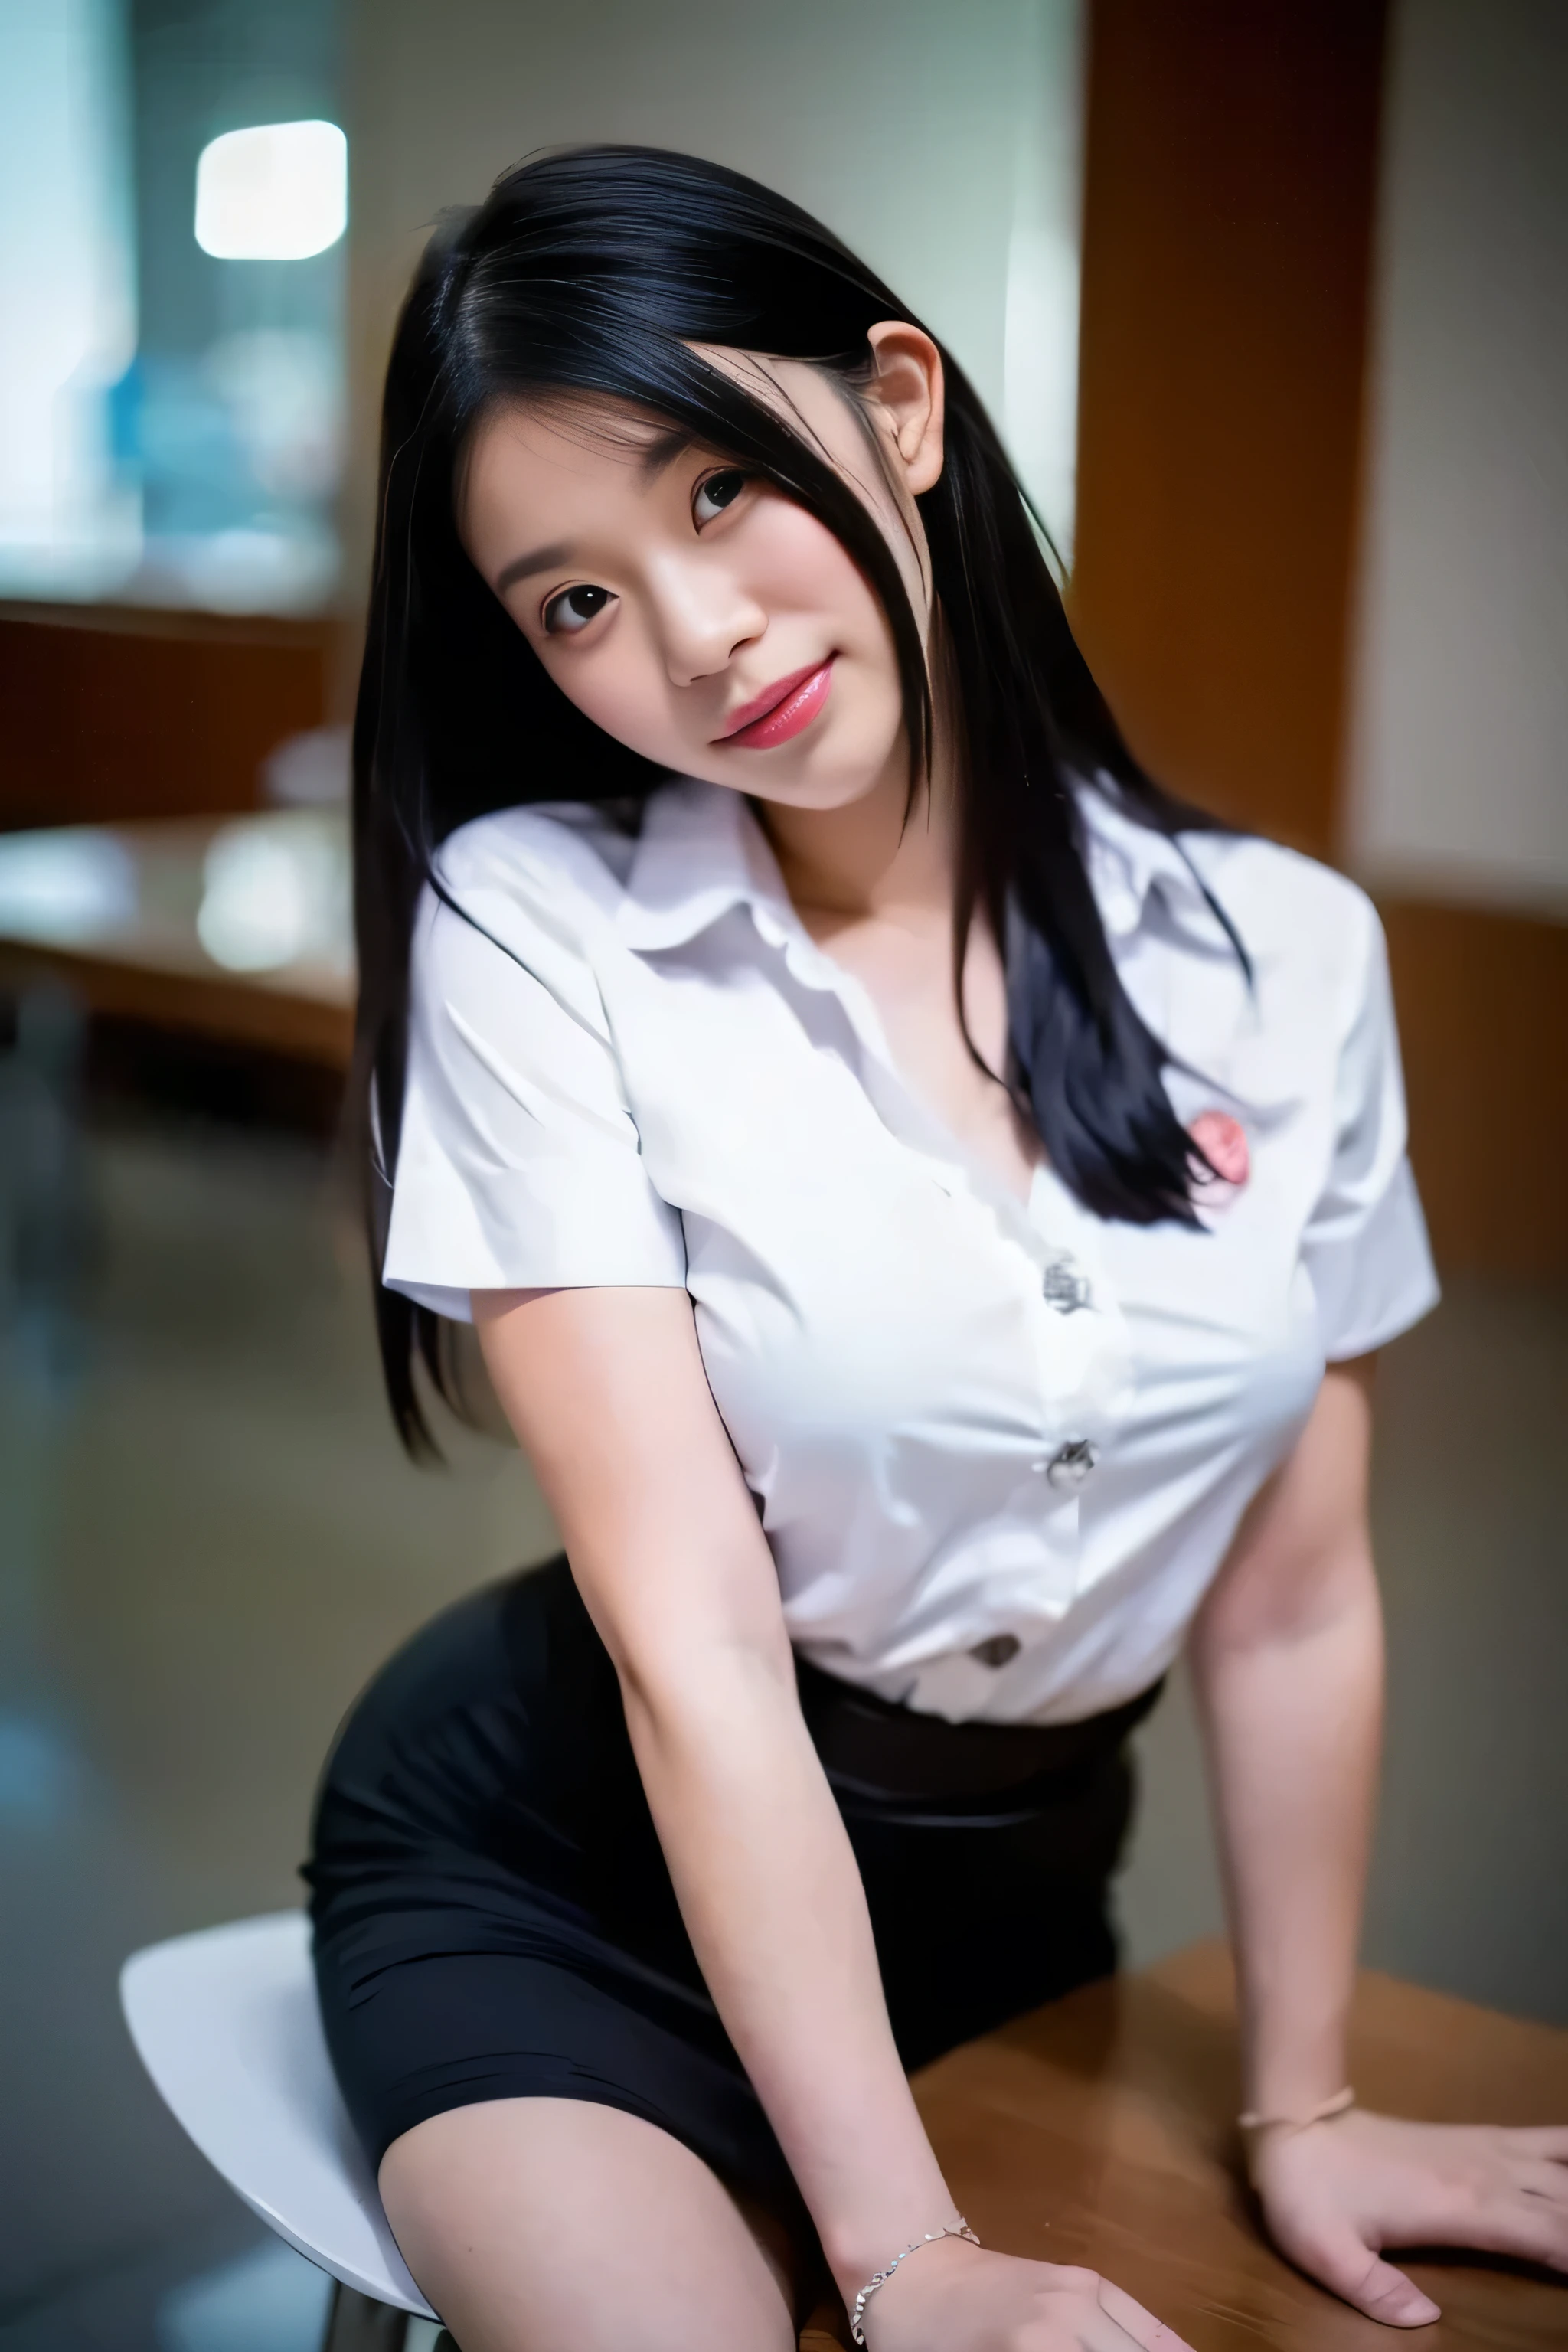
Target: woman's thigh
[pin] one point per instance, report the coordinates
(533, 2223)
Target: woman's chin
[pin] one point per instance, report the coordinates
(818, 786)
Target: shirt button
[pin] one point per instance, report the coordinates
(1071, 1462)
(999, 1651)
(1065, 1285)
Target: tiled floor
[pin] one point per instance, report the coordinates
(208, 1538)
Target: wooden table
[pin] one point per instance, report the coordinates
(168, 922)
(1100, 2131)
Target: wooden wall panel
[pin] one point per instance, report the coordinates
(1483, 1017)
(113, 715)
(1230, 196)
(1227, 233)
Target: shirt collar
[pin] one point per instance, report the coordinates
(699, 853)
(702, 852)
(1139, 874)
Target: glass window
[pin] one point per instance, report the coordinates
(175, 403)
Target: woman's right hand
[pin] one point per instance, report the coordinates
(963, 2298)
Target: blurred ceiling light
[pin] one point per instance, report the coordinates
(279, 192)
(253, 914)
(69, 888)
(275, 891)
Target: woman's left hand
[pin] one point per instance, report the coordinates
(1335, 2194)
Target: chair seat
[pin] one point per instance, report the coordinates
(226, 2022)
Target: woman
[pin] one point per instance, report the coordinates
(928, 1203)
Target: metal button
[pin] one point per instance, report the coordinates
(1071, 1462)
(999, 1651)
(1065, 1285)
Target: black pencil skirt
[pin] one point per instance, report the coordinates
(493, 1917)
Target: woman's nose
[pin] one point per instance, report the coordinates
(705, 616)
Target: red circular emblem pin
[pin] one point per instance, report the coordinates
(1223, 1142)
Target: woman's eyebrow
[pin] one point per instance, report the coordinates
(538, 559)
(662, 449)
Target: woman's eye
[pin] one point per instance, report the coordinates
(717, 491)
(574, 609)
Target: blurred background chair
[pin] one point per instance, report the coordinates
(226, 2023)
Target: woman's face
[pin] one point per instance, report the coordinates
(693, 610)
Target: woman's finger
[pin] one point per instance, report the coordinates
(1547, 2141)
(1142, 2325)
(1342, 2262)
(1547, 2181)
(1385, 2293)
(1513, 2222)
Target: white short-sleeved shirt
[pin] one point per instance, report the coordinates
(999, 1450)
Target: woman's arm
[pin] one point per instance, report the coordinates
(1287, 1657)
(607, 1391)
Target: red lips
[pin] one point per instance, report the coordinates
(781, 709)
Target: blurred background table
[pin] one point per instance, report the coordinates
(238, 928)
(1101, 2130)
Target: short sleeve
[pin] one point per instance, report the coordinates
(518, 1164)
(1366, 1244)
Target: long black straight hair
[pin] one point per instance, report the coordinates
(592, 272)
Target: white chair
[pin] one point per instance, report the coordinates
(226, 2024)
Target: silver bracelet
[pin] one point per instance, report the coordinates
(959, 2228)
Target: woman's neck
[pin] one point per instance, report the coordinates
(873, 885)
(878, 857)
(885, 855)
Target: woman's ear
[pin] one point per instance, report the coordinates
(906, 393)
